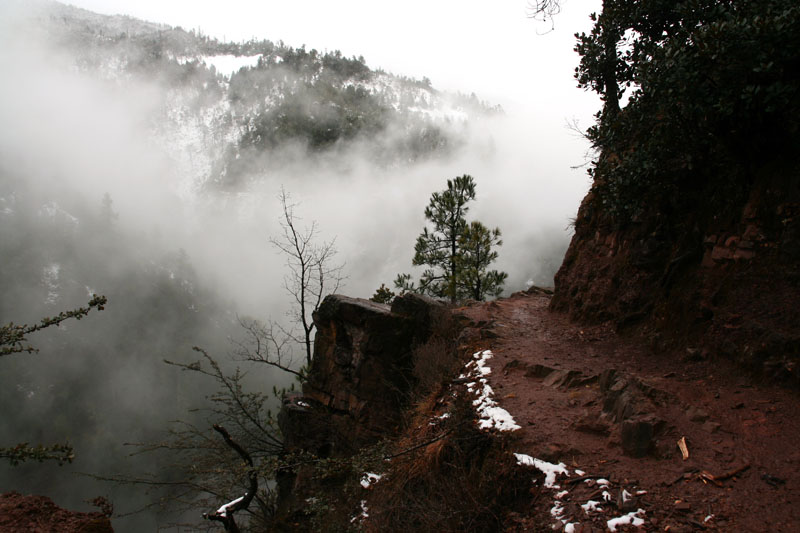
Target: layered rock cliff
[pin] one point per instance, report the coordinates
(358, 384)
(716, 282)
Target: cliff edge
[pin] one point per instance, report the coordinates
(720, 282)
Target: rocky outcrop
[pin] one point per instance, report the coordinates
(724, 283)
(630, 402)
(358, 384)
(360, 375)
(26, 514)
(627, 405)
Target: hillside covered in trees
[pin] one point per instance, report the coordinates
(235, 111)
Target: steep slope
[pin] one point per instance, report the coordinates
(231, 112)
(726, 286)
(545, 425)
(690, 231)
(609, 408)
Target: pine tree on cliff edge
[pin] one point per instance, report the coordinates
(457, 253)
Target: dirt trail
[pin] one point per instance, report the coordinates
(593, 400)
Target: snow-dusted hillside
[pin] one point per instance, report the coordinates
(223, 111)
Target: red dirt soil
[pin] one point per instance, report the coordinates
(38, 514)
(743, 469)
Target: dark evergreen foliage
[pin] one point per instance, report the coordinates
(457, 253)
(714, 90)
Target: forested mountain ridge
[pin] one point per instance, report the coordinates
(233, 111)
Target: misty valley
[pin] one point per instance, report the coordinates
(160, 168)
(265, 286)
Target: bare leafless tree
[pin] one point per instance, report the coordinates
(266, 343)
(225, 514)
(202, 471)
(544, 10)
(313, 273)
(208, 471)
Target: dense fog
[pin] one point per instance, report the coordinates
(95, 198)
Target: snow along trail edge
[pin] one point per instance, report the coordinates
(492, 416)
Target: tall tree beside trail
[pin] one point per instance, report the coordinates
(712, 94)
(439, 248)
(453, 248)
(475, 280)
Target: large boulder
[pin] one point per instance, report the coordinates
(357, 387)
(361, 373)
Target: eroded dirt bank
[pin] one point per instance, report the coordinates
(610, 409)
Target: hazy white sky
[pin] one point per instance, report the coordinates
(488, 47)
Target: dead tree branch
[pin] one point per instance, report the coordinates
(225, 514)
(264, 345)
(311, 273)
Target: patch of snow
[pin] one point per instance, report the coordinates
(228, 64)
(50, 275)
(560, 495)
(364, 512)
(626, 495)
(570, 528)
(440, 417)
(53, 211)
(591, 505)
(557, 512)
(301, 403)
(479, 362)
(223, 511)
(451, 114)
(370, 479)
(641, 492)
(549, 469)
(708, 518)
(579, 472)
(635, 519)
(606, 496)
(491, 415)
(603, 482)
